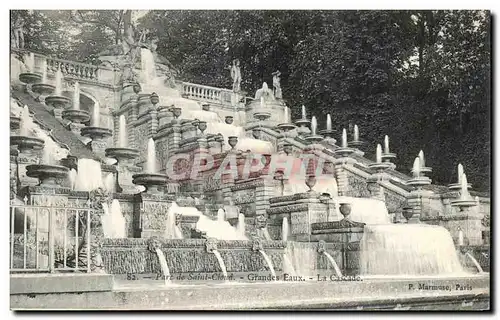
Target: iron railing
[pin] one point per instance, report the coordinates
(50, 238)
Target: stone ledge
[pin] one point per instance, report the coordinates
(59, 283)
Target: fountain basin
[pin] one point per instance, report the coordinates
(327, 133)
(48, 174)
(356, 144)
(27, 143)
(419, 182)
(425, 169)
(15, 122)
(302, 122)
(458, 186)
(43, 89)
(463, 203)
(30, 77)
(314, 139)
(380, 166)
(58, 102)
(122, 153)
(286, 126)
(76, 116)
(150, 181)
(96, 132)
(344, 152)
(386, 157)
(261, 116)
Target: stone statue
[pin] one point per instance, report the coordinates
(236, 75)
(277, 84)
(18, 33)
(143, 35)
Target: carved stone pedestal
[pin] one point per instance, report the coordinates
(301, 210)
(151, 211)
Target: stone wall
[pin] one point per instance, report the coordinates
(121, 256)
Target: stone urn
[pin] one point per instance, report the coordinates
(154, 98)
(345, 209)
(233, 141)
(310, 182)
(229, 119)
(176, 111)
(137, 88)
(202, 125)
(407, 213)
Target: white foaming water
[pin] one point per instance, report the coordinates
(288, 265)
(148, 72)
(474, 261)
(96, 121)
(369, 211)
(221, 264)
(356, 133)
(416, 168)
(464, 191)
(284, 229)
(44, 71)
(28, 127)
(89, 175)
(314, 125)
(109, 183)
(269, 263)
(221, 230)
(379, 154)
(328, 122)
(172, 231)
(407, 249)
(422, 159)
(386, 144)
(59, 80)
(286, 115)
(304, 115)
(221, 215)
(72, 178)
(334, 264)
(460, 172)
(30, 62)
(122, 132)
(113, 221)
(76, 96)
(344, 138)
(25, 122)
(164, 266)
(241, 224)
(151, 157)
(302, 257)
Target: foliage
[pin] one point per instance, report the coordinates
(422, 77)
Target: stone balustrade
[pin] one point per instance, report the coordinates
(206, 93)
(81, 71)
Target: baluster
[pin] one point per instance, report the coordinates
(77, 232)
(65, 237)
(37, 211)
(12, 225)
(25, 235)
(88, 240)
(51, 239)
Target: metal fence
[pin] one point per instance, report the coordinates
(50, 238)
